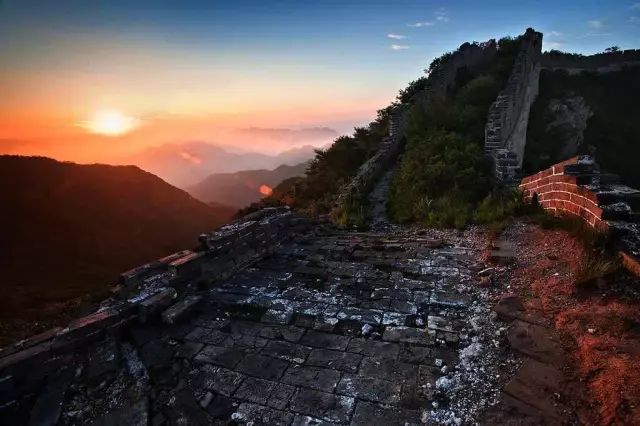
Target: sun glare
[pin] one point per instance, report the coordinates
(110, 123)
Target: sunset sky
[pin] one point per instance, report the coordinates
(98, 80)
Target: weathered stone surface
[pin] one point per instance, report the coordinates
(369, 414)
(156, 354)
(536, 384)
(221, 407)
(103, 360)
(407, 335)
(337, 360)
(155, 303)
(189, 349)
(374, 348)
(220, 355)
(27, 357)
(388, 369)
(536, 342)
(181, 310)
(264, 392)
(135, 413)
(325, 340)
(183, 408)
(217, 379)
(288, 333)
(273, 316)
(208, 336)
(287, 351)
(48, 405)
(414, 354)
(369, 388)
(262, 366)
(322, 405)
(252, 413)
(449, 300)
(312, 377)
(299, 420)
(8, 391)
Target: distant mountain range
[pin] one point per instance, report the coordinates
(245, 187)
(68, 230)
(186, 164)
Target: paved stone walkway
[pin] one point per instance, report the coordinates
(337, 328)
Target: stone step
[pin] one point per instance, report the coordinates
(617, 211)
(614, 193)
(598, 179)
(620, 228)
(181, 309)
(580, 169)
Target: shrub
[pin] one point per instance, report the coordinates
(436, 166)
(352, 214)
(496, 209)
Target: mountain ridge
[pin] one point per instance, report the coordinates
(244, 187)
(84, 224)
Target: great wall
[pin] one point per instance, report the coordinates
(283, 319)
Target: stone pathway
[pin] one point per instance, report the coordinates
(337, 328)
(378, 218)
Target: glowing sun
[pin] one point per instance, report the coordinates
(110, 123)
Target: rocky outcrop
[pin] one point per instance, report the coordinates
(578, 188)
(569, 116)
(506, 128)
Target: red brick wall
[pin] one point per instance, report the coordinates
(561, 195)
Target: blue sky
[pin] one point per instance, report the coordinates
(247, 58)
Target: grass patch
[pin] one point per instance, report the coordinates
(599, 260)
(352, 214)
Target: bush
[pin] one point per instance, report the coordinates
(443, 174)
(449, 211)
(352, 214)
(496, 209)
(434, 167)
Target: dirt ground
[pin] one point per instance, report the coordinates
(596, 317)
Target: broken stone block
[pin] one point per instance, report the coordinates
(181, 310)
(273, 316)
(403, 334)
(155, 303)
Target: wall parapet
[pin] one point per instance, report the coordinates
(600, 62)
(163, 290)
(505, 130)
(576, 187)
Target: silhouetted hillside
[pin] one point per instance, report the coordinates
(186, 164)
(68, 230)
(243, 188)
